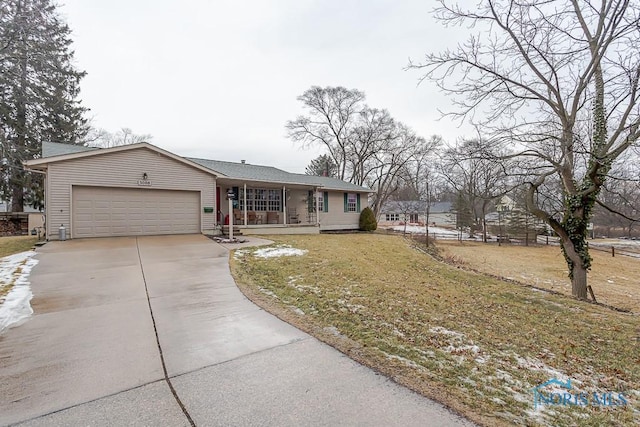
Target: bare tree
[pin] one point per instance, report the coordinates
(105, 139)
(619, 201)
(368, 146)
(385, 168)
(477, 179)
(332, 115)
(556, 82)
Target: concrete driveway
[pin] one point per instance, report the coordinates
(153, 331)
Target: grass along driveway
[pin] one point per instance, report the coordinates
(477, 344)
(13, 244)
(8, 246)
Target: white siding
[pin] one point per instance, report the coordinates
(123, 169)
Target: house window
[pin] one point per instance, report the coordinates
(261, 199)
(274, 200)
(392, 217)
(317, 200)
(352, 202)
(413, 217)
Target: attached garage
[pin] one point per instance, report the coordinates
(132, 190)
(109, 211)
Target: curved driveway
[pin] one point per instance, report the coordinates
(153, 331)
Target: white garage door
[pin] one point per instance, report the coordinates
(104, 212)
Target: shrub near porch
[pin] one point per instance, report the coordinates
(477, 344)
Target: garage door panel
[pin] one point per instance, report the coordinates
(102, 212)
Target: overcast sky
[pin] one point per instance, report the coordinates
(219, 79)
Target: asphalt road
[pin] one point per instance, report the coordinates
(153, 331)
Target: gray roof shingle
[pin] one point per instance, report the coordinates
(51, 149)
(270, 174)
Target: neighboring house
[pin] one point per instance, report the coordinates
(511, 218)
(140, 189)
(415, 212)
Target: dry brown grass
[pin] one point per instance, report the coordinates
(13, 244)
(475, 343)
(614, 279)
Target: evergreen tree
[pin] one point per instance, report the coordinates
(39, 88)
(367, 220)
(322, 165)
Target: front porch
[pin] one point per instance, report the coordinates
(264, 208)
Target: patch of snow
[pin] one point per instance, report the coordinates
(293, 280)
(443, 331)
(428, 354)
(481, 359)
(462, 348)
(398, 333)
(404, 360)
(15, 308)
(239, 254)
(533, 364)
(297, 310)
(268, 292)
(278, 251)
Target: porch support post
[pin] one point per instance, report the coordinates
(284, 205)
(244, 196)
(317, 195)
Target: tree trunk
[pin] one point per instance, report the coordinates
(579, 281)
(484, 229)
(578, 270)
(17, 199)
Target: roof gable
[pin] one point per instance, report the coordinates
(69, 153)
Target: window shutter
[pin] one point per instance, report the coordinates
(346, 209)
(325, 200)
(358, 202)
(310, 196)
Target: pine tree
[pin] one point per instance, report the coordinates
(39, 88)
(322, 165)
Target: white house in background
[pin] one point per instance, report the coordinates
(414, 212)
(141, 189)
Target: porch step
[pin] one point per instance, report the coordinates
(225, 231)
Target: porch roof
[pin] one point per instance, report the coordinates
(269, 174)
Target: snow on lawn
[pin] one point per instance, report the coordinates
(278, 251)
(15, 307)
(420, 229)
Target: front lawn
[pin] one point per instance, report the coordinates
(477, 344)
(13, 244)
